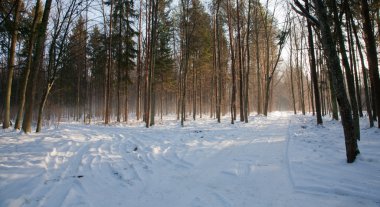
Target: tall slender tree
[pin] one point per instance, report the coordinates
(373, 64)
(11, 63)
(37, 63)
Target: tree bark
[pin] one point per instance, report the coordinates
(246, 96)
(291, 74)
(313, 70)
(109, 71)
(239, 53)
(233, 93)
(371, 57)
(349, 77)
(365, 75)
(37, 60)
(42, 105)
(11, 65)
(333, 62)
(25, 78)
(139, 65)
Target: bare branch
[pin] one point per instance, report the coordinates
(302, 11)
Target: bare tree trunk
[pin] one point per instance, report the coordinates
(139, 65)
(313, 70)
(126, 106)
(233, 93)
(109, 71)
(37, 60)
(239, 53)
(337, 76)
(291, 73)
(365, 75)
(86, 69)
(78, 95)
(246, 96)
(147, 62)
(218, 64)
(353, 65)
(302, 91)
(372, 57)
(200, 98)
(42, 105)
(119, 58)
(349, 77)
(258, 74)
(151, 89)
(11, 65)
(215, 62)
(33, 35)
(106, 67)
(194, 91)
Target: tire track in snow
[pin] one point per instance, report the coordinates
(61, 170)
(60, 189)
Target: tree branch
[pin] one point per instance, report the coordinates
(303, 12)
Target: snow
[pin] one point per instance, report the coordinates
(280, 160)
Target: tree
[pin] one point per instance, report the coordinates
(346, 65)
(98, 53)
(37, 63)
(163, 61)
(233, 71)
(139, 64)
(270, 69)
(29, 60)
(109, 69)
(329, 46)
(11, 63)
(313, 69)
(373, 64)
(60, 33)
(123, 16)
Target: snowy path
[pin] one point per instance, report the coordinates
(202, 164)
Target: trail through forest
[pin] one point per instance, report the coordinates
(271, 161)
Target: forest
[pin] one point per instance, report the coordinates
(117, 60)
(189, 103)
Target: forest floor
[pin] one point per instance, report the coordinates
(279, 160)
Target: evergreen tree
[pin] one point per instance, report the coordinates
(124, 16)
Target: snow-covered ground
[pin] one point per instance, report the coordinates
(280, 160)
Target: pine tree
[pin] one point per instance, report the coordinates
(124, 15)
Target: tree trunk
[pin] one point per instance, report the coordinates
(239, 53)
(337, 76)
(37, 60)
(246, 96)
(233, 93)
(11, 65)
(126, 106)
(109, 71)
(313, 71)
(218, 66)
(291, 74)
(349, 77)
(371, 57)
(118, 86)
(354, 65)
(194, 91)
(139, 65)
(151, 90)
(42, 106)
(25, 78)
(365, 75)
(258, 74)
